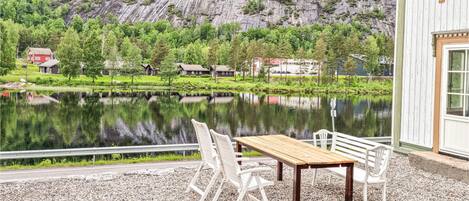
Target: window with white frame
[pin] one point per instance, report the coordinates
(458, 83)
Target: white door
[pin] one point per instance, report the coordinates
(454, 133)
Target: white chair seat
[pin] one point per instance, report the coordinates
(358, 175)
(253, 185)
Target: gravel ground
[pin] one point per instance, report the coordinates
(405, 183)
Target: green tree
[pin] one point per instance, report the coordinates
(301, 55)
(168, 69)
(159, 53)
(371, 56)
(269, 51)
(320, 50)
(349, 68)
(111, 54)
(285, 51)
(70, 54)
(132, 58)
(235, 53)
(212, 60)
(77, 23)
(8, 43)
(194, 54)
(93, 59)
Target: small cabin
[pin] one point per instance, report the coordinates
(51, 67)
(150, 70)
(222, 71)
(39, 55)
(192, 69)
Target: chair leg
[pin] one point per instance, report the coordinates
(384, 191)
(261, 189)
(194, 179)
(365, 192)
(329, 180)
(315, 172)
(210, 185)
(217, 194)
(242, 193)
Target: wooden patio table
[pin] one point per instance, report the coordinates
(298, 155)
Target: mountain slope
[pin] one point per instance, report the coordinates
(378, 14)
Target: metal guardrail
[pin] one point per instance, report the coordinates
(120, 150)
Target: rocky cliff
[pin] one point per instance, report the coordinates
(379, 14)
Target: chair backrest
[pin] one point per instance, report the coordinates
(227, 157)
(322, 135)
(374, 155)
(205, 143)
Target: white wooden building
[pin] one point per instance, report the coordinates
(431, 84)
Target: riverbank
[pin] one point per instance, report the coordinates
(278, 85)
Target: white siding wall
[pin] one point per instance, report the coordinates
(421, 19)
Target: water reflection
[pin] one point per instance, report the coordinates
(44, 120)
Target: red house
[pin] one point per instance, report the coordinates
(39, 55)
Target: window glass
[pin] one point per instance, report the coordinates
(456, 60)
(455, 82)
(455, 105)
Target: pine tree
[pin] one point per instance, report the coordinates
(70, 54)
(92, 53)
(320, 54)
(168, 69)
(159, 53)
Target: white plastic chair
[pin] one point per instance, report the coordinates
(209, 159)
(243, 180)
(321, 136)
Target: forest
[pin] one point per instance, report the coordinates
(95, 44)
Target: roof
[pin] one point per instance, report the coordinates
(49, 63)
(35, 50)
(192, 67)
(221, 68)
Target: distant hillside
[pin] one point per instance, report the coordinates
(378, 14)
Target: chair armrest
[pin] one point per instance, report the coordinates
(257, 169)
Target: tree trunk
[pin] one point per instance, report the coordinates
(319, 73)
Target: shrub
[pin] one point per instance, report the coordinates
(253, 7)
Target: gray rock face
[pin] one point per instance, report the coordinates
(299, 12)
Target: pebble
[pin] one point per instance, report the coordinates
(405, 183)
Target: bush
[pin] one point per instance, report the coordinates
(253, 7)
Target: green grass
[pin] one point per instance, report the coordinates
(114, 159)
(279, 85)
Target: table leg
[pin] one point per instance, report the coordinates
(349, 183)
(279, 171)
(296, 183)
(239, 149)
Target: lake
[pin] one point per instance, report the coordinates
(51, 120)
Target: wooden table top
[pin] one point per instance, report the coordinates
(292, 150)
